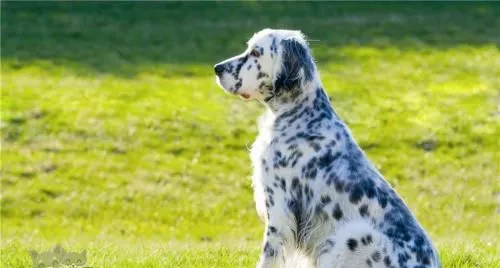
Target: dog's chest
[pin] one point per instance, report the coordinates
(278, 157)
(289, 149)
(277, 153)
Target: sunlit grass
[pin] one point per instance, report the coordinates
(152, 253)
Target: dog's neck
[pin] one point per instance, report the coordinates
(289, 100)
(312, 103)
(278, 100)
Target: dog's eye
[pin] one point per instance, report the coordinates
(255, 53)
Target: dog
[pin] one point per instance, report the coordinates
(314, 188)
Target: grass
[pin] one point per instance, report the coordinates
(116, 139)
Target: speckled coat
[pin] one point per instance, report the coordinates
(314, 188)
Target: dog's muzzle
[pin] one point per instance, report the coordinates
(219, 69)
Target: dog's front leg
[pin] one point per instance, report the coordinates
(272, 254)
(276, 234)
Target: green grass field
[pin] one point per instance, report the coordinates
(116, 139)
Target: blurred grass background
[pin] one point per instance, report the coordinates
(115, 137)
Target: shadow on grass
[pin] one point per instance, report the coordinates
(127, 37)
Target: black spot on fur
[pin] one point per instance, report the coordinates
(387, 261)
(376, 256)
(332, 143)
(229, 68)
(316, 122)
(268, 250)
(308, 193)
(316, 147)
(310, 171)
(369, 238)
(261, 75)
(240, 64)
(327, 159)
(295, 183)
(269, 190)
(356, 194)
(265, 165)
(426, 260)
(339, 186)
(262, 84)
(331, 178)
(403, 258)
(283, 184)
(366, 240)
(274, 47)
(237, 86)
(352, 244)
(337, 212)
(382, 197)
(363, 211)
(325, 199)
(369, 188)
(307, 111)
(321, 103)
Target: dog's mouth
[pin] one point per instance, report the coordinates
(218, 80)
(243, 95)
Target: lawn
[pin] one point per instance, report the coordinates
(116, 139)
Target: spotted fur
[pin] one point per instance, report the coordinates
(314, 188)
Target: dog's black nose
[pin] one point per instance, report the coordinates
(219, 68)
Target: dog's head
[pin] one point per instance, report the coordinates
(275, 63)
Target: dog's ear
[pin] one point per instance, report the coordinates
(297, 65)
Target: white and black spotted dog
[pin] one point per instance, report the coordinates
(314, 188)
